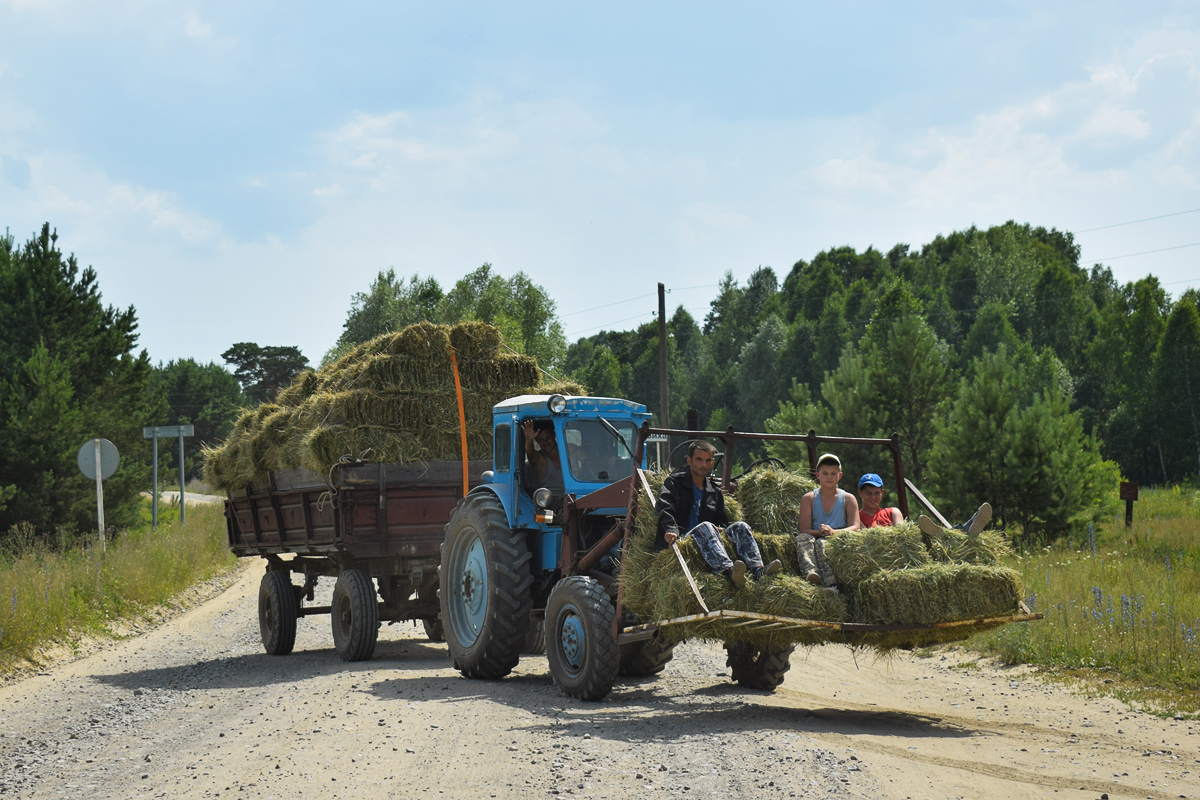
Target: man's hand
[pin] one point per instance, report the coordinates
(671, 537)
(824, 531)
(527, 429)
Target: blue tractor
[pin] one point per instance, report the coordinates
(518, 554)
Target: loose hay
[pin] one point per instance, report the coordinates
(391, 399)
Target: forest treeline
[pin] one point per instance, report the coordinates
(1012, 373)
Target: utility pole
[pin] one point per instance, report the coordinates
(664, 400)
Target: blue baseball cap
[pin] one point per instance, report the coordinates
(870, 479)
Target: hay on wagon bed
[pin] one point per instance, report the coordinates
(887, 576)
(936, 593)
(857, 555)
(770, 499)
(391, 399)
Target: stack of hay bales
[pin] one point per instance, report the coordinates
(892, 575)
(391, 399)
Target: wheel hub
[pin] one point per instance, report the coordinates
(572, 640)
(469, 612)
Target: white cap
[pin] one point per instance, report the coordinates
(830, 457)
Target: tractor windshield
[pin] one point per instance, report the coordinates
(594, 454)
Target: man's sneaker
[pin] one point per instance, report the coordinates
(981, 519)
(774, 568)
(931, 528)
(738, 574)
(814, 578)
(833, 589)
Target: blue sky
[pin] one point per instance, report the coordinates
(237, 171)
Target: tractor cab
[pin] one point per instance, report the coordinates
(592, 440)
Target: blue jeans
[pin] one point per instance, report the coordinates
(708, 539)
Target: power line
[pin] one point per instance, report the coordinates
(608, 305)
(1145, 252)
(1136, 221)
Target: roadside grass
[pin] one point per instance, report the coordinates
(1122, 607)
(49, 594)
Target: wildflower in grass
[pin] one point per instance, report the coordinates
(1167, 559)
(14, 600)
(1098, 595)
(1127, 611)
(1092, 538)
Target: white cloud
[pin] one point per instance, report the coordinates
(195, 27)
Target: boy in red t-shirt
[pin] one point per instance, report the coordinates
(870, 515)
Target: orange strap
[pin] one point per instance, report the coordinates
(462, 420)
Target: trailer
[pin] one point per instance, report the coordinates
(366, 524)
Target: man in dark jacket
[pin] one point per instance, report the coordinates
(691, 502)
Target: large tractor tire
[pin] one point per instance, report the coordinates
(535, 637)
(277, 612)
(434, 630)
(581, 647)
(483, 588)
(756, 668)
(649, 657)
(355, 614)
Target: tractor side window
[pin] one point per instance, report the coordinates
(502, 449)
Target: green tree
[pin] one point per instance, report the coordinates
(68, 372)
(523, 311)
(205, 396)
(1176, 382)
(389, 304)
(759, 380)
(262, 371)
(1011, 439)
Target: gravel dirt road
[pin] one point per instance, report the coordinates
(194, 709)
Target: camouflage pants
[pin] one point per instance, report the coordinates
(810, 553)
(708, 539)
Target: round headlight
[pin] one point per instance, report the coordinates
(542, 497)
(557, 404)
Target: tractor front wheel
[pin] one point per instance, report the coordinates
(581, 647)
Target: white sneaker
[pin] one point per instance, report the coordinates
(929, 527)
(982, 517)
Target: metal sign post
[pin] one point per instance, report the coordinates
(99, 459)
(153, 432)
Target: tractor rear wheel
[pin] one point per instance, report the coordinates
(277, 611)
(758, 668)
(483, 588)
(355, 614)
(650, 657)
(581, 646)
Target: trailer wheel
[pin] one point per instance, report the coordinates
(757, 668)
(434, 630)
(639, 659)
(277, 609)
(535, 637)
(483, 588)
(355, 613)
(580, 644)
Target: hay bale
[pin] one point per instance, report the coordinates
(299, 390)
(857, 555)
(391, 399)
(936, 592)
(567, 388)
(770, 499)
(987, 548)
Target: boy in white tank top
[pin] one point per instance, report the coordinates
(823, 513)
